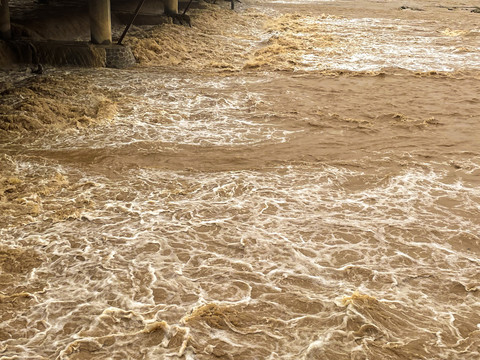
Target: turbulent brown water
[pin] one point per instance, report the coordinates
(292, 180)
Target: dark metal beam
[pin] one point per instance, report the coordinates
(137, 10)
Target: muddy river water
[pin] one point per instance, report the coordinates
(293, 180)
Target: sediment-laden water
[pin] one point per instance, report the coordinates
(292, 180)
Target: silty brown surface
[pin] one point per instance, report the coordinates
(295, 180)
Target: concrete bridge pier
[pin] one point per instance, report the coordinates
(5, 29)
(171, 6)
(100, 21)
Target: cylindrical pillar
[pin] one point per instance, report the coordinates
(170, 6)
(5, 29)
(100, 21)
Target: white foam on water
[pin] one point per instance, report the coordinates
(375, 44)
(165, 111)
(217, 237)
(274, 252)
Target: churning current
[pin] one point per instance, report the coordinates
(289, 180)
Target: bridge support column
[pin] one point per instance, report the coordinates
(5, 30)
(171, 6)
(100, 21)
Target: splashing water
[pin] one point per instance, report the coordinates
(277, 210)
